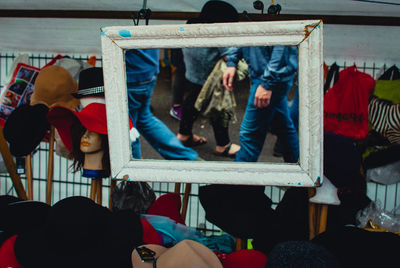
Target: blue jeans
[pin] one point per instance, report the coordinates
(256, 123)
(157, 134)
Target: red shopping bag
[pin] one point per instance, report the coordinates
(346, 104)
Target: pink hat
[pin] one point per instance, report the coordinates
(93, 118)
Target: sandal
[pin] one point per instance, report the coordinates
(192, 143)
(226, 153)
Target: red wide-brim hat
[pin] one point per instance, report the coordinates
(92, 117)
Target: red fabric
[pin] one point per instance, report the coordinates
(346, 104)
(150, 235)
(245, 258)
(7, 256)
(168, 205)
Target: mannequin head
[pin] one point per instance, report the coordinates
(89, 149)
(85, 135)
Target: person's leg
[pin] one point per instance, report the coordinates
(224, 147)
(294, 109)
(178, 86)
(253, 129)
(189, 115)
(294, 115)
(178, 91)
(283, 126)
(135, 104)
(157, 134)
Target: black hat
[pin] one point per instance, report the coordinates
(80, 233)
(4, 201)
(22, 216)
(25, 128)
(301, 254)
(91, 83)
(342, 160)
(218, 11)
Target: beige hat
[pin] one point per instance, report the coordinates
(185, 254)
(53, 87)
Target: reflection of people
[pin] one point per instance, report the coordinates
(142, 68)
(178, 84)
(271, 70)
(199, 63)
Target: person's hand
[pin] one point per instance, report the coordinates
(227, 78)
(262, 97)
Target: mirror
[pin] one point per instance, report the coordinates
(306, 35)
(173, 91)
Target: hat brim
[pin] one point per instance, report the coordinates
(92, 117)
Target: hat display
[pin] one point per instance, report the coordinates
(80, 233)
(93, 118)
(91, 83)
(185, 254)
(53, 87)
(25, 128)
(217, 11)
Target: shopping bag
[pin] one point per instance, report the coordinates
(346, 104)
(18, 91)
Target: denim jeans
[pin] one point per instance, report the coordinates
(157, 134)
(256, 123)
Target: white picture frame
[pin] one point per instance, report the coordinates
(307, 35)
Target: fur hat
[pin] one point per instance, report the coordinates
(53, 87)
(185, 254)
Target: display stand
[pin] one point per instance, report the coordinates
(11, 167)
(50, 167)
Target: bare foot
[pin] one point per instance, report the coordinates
(191, 140)
(233, 149)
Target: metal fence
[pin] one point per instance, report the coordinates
(67, 183)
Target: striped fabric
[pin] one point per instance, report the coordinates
(385, 119)
(91, 91)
